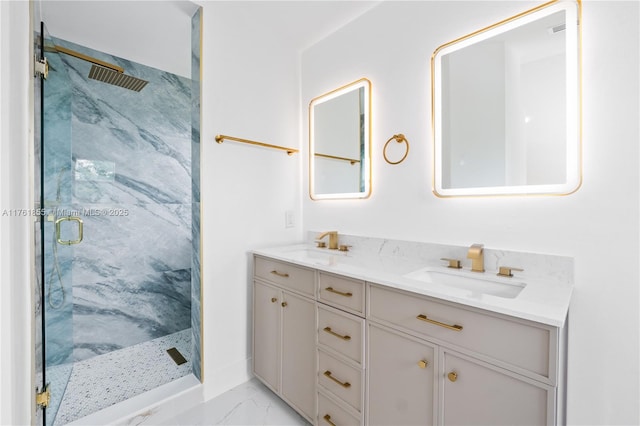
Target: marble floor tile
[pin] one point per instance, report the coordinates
(250, 403)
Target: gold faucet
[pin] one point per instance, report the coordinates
(476, 255)
(333, 239)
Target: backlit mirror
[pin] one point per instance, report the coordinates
(340, 143)
(506, 106)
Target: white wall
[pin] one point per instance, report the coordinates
(15, 232)
(153, 33)
(250, 90)
(598, 225)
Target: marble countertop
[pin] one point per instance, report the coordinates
(542, 300)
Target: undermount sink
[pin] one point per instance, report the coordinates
(316, 252)
(320, 256)
(480, 284)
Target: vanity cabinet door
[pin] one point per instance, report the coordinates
(477, 393)
(299, 352)
(401, 380)
(266, 334)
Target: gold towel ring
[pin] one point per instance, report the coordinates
(398, 138)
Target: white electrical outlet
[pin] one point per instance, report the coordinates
(289, 220)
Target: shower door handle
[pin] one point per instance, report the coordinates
(80, 226)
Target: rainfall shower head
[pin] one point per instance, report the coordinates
(103, 71)
(116, 78)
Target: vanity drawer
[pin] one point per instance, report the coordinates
(330, 413)
(342, 293)
(341, 332)
(341, 379)
(515, 342)
(286, 275)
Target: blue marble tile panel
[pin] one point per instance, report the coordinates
(125, 240)
(196, 339)
(116, 313)
(196, 324)
(124, 159)
(57, 134)
(146, 134)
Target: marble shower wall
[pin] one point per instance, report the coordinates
(127, 174)
(196, 342)
(57, 298)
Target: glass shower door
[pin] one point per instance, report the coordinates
(117, 165)
(59, 228)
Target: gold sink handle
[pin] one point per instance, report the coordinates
(453, 263)
(506, 271)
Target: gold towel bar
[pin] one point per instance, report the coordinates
(221, 138)
(350, 160)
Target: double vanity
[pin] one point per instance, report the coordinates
(379, 332)
(389, 333)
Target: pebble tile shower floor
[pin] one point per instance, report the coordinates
(105, 380)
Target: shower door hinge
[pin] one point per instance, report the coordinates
(43, 398)
(41, 67)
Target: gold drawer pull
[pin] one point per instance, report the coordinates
(327, 418)
(280, 274)
(344, 385)
(453, 376)
(284, 304)
(333, 333)
(330, 289)
(422, 363)
(274, 299)
(454, 327)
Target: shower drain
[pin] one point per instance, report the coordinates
(176, 356)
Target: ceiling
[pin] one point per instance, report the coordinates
(137, 29)
(299, 23)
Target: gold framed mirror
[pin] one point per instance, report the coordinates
(340, 143)
(506, 111)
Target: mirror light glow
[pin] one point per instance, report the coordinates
(482, 151)
(340, 143)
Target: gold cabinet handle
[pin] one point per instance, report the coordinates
(274, 299)
(280, 274)
(454, 327)
(333, 333)
(330, 289)
(422, 363)
(453, 376)
(345, 385)
(284, 304)
(327, 418)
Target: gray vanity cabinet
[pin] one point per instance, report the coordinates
(267, 316)
(475, 392)
(284, 332)
(298, 354)
(477, 367)
(401, 378)
(342, 351)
